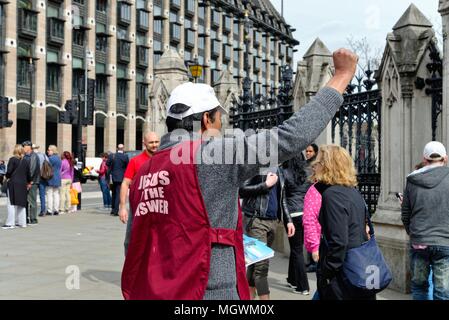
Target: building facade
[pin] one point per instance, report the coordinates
(46, 48)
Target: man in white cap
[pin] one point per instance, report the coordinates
(425, 215)
(186, 239)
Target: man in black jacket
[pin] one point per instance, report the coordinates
(35, 174)
(262, 198)
(117, 164)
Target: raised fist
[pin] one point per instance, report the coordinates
(272, 178)
(345, 62)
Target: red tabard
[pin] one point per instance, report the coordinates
(170, 247)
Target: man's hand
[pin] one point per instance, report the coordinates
(315, 256)
(345, 64)
(272, 179)
(290, 229)
(123, 215)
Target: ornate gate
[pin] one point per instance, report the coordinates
(359, 125)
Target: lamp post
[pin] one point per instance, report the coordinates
(31, 72)
(247, 80)
(196, 70)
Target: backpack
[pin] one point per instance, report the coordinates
(46, 170)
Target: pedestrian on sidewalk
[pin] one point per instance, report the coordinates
(186, 239)
(104, 185)
(296, 186)
(42, 183)
(19, 181)
(54, 184)
(311, 153)
(151, 143)
(425, 215)
(342, 220)
(76, 185)
(35, 173)
(117, 164)
(262, 196)
(2, 174)
(67, 173)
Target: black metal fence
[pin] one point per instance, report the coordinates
(359, 123)
(264, 112)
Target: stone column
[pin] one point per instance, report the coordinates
(38, 118)
(406, 127)
(130, 123)
(110, 123)
(89, 131)
(8, 136)
(65, 130)
(444, 11)
(207, 46)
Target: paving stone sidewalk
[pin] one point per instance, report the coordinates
(34, 261)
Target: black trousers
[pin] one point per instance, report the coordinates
(297, 274)
(116, 196)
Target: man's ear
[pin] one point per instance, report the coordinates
(206, 120)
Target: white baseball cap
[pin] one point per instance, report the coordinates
(198, 97)
(436, 149)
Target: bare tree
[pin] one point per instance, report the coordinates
(369, 56)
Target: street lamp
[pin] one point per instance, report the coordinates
(196, 70)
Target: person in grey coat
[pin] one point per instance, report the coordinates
(219, 182)
(425, 215)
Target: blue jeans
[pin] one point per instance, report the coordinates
(106, 192)
(42, 196)
(435, 259)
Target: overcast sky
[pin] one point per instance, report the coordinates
(335, 20)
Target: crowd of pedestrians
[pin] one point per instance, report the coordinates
(30, 174)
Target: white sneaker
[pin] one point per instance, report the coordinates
(7, 227)
(304, 293)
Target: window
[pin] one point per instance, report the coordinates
(190, 7)
(157, 10)
(173, 17)
(78, 37)
(201, 12)
(157, 24)
(53, 74)
(101, 43)
(156, 58)
(175, 32)
(52, 12)
(188, 55)
(143, 19)
(124, 50)
(102, 5)
(56, 28)
(142, 94)
(79, 1)
(141, 4)
(190, 38)
(157, 45)
(77, 82)
(122, 33)
(188, 24)
(141, 39)
(122, 91)
(201, 43)
(227, 23)
(176, 3)
(23, 75)
(101, 83)
(124, 12)
(28, 20)
(142, 54)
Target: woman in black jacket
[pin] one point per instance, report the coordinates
(295, 188)
(19, 177)
(343, 222)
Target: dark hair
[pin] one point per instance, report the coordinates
(68, 156)
(314, 146)
(187, 123)
(295, 167)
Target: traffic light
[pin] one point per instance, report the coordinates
(89, 121)
(68, 116)
(4, 121)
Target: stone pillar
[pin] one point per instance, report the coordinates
(226, 88)
(207, 46)
(65, 130)
(406, 127)
(64, 140)
(89, 131)
(130, 123)
(314, 72)
(444, 11)
(169, 73)
(110, 123)
(38, 118)
(8, 136)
